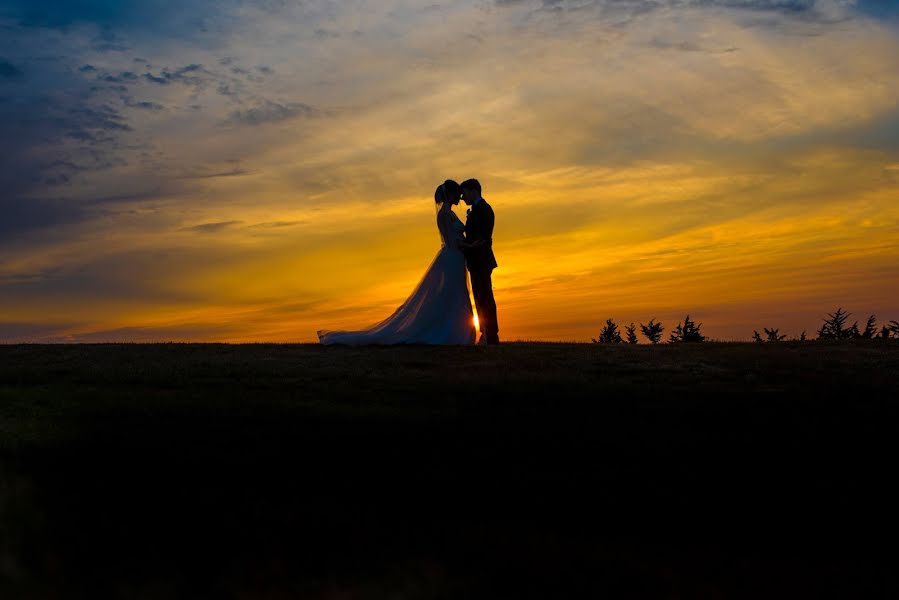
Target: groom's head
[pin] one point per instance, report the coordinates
(471, 191)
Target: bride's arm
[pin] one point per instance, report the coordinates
(477, 243)
(474, 244)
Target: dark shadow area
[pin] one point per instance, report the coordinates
(517, 471)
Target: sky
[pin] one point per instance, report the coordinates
(256, 170)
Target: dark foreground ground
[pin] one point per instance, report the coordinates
(519, 471)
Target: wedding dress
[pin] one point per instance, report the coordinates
(438, 311)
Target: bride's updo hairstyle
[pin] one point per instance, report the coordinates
(448, 191)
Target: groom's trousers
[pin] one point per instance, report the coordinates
(482, 290)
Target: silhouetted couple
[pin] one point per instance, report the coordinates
(439, 310)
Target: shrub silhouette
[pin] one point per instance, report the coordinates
(631, 334)
(687, 332)
(652, 331)
(772, 335)
(834, 327)
(609, 334)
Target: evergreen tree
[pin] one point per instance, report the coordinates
(756, 337)
(894, 329)
(802, 336)
(689, 331)
(609, 334)
(773, 335)
(834, 327)
(652, 331)
(885, 333)
(870, 331)
(631, 334)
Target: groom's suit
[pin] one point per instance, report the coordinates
(481, 262)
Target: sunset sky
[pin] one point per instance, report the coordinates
(255, 170)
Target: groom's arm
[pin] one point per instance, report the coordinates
(474, 244)
(474, 233)
(472, 240)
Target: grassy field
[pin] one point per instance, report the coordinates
(517, 471)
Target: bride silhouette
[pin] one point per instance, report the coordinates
(439, 310)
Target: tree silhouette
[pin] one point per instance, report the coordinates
(631, 334)
(609, 334)
(885, 333)
(870, 328)
(771, 335)
(802, 336)
(689, 331)
(834, 327)
(652, 331)
(894, 328)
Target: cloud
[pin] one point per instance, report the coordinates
(108, 41)
(83, 333)
(123, 77)
(143, 104)
(72, 120)
(193, 75)
(278, 224)
(268, 111)
(212, 227)
(12, 333)
(23, 214)
(627, 10)
(688, 46)
(47, 145)
(9, 70)
(234, 172)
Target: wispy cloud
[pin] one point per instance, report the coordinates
(9, 70)
(212, 227)
(271, 112)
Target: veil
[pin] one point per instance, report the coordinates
(442, 188)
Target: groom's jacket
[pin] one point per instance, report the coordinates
(479, 226)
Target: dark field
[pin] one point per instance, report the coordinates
(518, 471)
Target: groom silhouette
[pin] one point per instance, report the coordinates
(478, 248)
